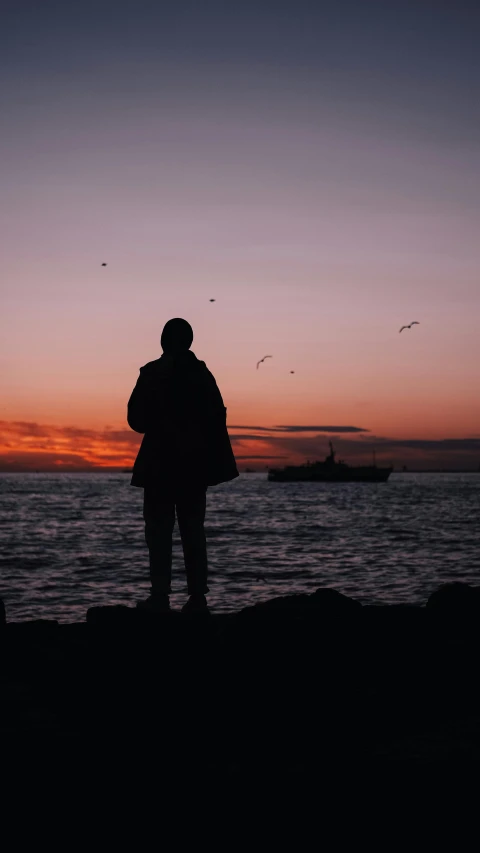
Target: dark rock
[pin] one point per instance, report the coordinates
(393, 644)
(391, 616)
(331, 601)
(3, 618)
(36, 629)
(388, 627)
(286, 604)
(294, 628)
(127, 623)
(275, 686)
(455, 599)
(287, 646)
(115, 616)
(323, 601)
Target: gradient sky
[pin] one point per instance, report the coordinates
(313, 166)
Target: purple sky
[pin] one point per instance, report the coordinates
(315, 168)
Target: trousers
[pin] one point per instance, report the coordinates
(159, 506)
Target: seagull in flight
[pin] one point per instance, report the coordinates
(104, 265)
(292, 371)
(211, 300)
(263, 359)
(413, 323)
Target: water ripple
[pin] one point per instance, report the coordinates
(68, 542)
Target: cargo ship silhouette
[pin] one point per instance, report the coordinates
(330, 471)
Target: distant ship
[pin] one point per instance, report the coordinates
(330, 471)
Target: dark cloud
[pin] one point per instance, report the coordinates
(331, 429)
(257, 428)
(253, 437)
(363, 443)
(277, 434)
(122, 436)
(260, 456)
(29, 428)
(301, 428)
(463, 444)
(30, 460)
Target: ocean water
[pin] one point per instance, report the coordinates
(72, 541)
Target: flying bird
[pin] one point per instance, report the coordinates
(263, 359)
(104, 265)
(292, 371)
(211, 300)
(413, 323)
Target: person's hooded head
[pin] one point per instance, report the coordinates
(177, 336)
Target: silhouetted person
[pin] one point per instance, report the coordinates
(186, 448)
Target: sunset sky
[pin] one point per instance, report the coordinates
(312, 166)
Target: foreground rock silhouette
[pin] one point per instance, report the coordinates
(290, 686)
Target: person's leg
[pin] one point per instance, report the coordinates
(191, 506)
(159, 516)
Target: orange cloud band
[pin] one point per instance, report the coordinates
(26, 446)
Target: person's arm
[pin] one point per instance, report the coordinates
(148, 405)
(137, 406)
(214, 404)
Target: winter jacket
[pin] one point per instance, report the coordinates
(176, 403)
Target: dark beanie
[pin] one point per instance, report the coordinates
(177, 336)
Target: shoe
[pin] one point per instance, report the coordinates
(196, 604)
(155, 604)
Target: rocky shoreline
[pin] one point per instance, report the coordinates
(279, 689)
